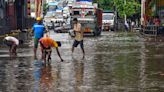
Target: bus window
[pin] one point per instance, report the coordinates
(52, 8)
(89, 13)
(76, 12)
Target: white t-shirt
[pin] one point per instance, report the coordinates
(126, 24)
(10, 38)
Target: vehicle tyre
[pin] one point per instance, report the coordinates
(94, 34)
(112, 29)
(99, 31)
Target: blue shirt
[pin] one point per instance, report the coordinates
(38, 30)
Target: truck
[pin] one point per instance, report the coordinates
(89, 16)
(53, 15)
(108, 20)
(52, 6)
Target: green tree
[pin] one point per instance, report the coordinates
(105, 4)
(45, 8)
(129, 8)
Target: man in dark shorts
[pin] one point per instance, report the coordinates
(46, 44)
(78, 36)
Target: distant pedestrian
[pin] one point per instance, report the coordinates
(157, 21)
(78, 36)
(132, 26)
(53, 25)
(46, 44)
(38, 30)
(126, 26)
(13, 43)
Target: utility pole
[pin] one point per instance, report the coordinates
(38, 8)
(116, 19)
(142, 11)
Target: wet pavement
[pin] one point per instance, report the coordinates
(114, 62)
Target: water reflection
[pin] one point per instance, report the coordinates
(114, 63)
(129, 65)
(79, 74)
(14, 75)
(3, 76)
(152, 66)
(46, 78)
(37, 75)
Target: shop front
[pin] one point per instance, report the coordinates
(151, 9)
(152, 16)
(14, 14)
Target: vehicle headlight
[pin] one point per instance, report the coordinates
(111, 24)
(48, 23)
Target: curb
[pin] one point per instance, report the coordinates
(14, 33)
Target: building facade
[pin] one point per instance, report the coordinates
(13, 14)
(152, 8)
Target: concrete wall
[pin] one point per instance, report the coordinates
(2, 9)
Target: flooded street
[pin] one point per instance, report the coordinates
(114, 62)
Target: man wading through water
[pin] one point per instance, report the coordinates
(38, 30)
(78, 36)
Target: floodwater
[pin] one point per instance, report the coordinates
(114, 62)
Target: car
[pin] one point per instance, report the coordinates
(108, 21)
(58, 18)
(66, 12)
(48, 20)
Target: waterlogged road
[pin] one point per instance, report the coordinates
(115, 62)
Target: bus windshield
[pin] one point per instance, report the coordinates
(49, 14)
(52, 8)
(108, 17)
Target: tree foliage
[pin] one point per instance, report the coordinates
(129, 8)
(105, 4)
(45, 8)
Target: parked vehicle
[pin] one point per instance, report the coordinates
(89, 17)
(70, 3)
(48, 20)
(59, 15)
(52, 6)
(108, 21)
(50, 17)
(66, 12)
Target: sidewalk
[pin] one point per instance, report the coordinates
(23, 35)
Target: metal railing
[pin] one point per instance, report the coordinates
(150, 30)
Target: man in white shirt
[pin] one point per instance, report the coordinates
(126, 26)
(12, 42)
(78, 36)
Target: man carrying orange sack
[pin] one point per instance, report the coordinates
(46, 44)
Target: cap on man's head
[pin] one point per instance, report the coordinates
(38, 18)
(75, 19)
